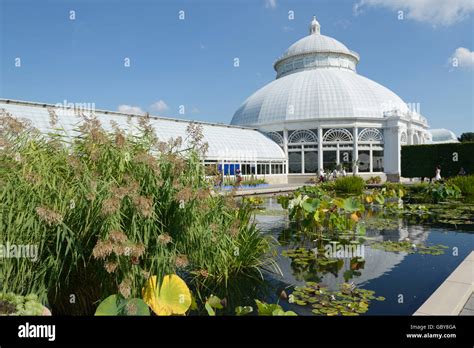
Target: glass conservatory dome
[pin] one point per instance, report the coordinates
(443, 135)
(316, 79)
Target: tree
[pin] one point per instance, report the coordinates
(469, 136)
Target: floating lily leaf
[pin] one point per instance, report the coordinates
(350, 204)
(173, 297)
(409, 247)
(266, 309)
(115, 305)
(240, 311)
(350, 300)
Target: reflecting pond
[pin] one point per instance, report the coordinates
(404, 279)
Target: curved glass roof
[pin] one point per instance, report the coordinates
(442, 135)
(316, 43)
(316, 79)
(319, 93)
(225, 142)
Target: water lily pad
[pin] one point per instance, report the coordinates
(173, 297)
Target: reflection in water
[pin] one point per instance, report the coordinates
(377, 262)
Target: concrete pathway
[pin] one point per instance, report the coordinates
(468, 307)
(271, 189)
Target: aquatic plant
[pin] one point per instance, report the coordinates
(349, 184)
(349, 300)
(172, 297)
(275, 310)
(409, 247)
(327, 257)
(254, 202)
(116, 305)
(441, 192)
(464, 183)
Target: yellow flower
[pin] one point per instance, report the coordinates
(354, 217)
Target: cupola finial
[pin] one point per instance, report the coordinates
(314, 27)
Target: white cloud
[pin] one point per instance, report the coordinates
(342, 23)
(462, 58)
(270, 3)
(435, 12)
(159, 106)
(129, 109)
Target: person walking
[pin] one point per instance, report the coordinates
(238, 175)
(322, 176)
(437, 173)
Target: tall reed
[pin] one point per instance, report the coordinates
(109, 209)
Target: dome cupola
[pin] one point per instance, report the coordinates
(314, 27)
(315, 51)
(317, 80)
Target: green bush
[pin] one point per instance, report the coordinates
(439, 192)
(349, 184)
(374, 180)
(421, 160)
(246, 181)
(417, 188)
(465, 184)
(108, 210)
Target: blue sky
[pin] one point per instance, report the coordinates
(190, 62)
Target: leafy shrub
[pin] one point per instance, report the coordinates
(350, 184)
(374, 180)
(393, 186)
(107, 210)
(465, 184)
(12, 304)
(246, 181)
(417, 188)
(312, 191)
(441, 192)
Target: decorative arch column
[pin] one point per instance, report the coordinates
(392, 147)
(355, 151)
(285, 148)
(320, 150)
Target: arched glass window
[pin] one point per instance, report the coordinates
(337, 134)
(302, 136)
(370, 134)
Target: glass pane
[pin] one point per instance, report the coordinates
(329, 160)
(377, 161)
(295, 162)
(345, 159)
(310, 161)
(364, 161)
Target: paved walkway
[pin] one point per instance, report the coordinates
(468, 307)
(271, 189)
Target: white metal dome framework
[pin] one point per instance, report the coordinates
(324, 114)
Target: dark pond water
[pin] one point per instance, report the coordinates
(405, 280)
